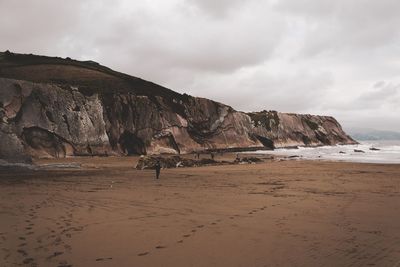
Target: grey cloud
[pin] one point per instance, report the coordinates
(259, 88)
(382, 94)
(344, 25)
(146, 41)
(31, 26)
(313, 56)
(218, 8)
(191, 41)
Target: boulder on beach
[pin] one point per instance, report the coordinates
(374, 149)
(250, 160)
(148, 162)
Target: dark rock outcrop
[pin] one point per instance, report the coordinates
(149, 162)
(53, 107)
(359, 151)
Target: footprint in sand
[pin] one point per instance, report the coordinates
(186, 235)
(143, 253)
(57, 241)
(200, 226)
(103, 259)
(180, 241)
(55, 254)
(160, 247)
(64, 264)
(28, 260)
(22, 252)
(38, 248)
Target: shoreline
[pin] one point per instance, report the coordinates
(83, 162)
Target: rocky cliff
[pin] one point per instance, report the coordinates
(288, 129)
(53, 107)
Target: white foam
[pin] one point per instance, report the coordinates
(389, 152)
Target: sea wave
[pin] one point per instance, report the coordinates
(366, 151)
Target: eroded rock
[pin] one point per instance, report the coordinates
(292, 130)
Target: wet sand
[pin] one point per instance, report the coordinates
(283, 213)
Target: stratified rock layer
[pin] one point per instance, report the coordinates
(288, 129)
(50, 107)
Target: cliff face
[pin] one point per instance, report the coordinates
(50, 107)
(287, 129)
(49, 120)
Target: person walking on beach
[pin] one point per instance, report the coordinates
(157, 166)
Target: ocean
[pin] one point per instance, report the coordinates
(372, 152)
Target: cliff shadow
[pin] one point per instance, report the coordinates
(268, 143)
(131, 144)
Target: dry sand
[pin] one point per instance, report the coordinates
(288, 213)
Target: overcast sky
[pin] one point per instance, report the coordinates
(339, 58)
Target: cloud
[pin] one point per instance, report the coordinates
(309, 56)
(183, 38)
(345, 26)
(30, 25)
(381, 94)
(220, 8)
(259, 88)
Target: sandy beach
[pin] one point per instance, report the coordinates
(276, 213)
